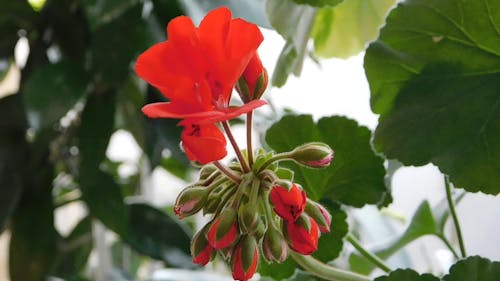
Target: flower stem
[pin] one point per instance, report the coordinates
(453, 213)
(230, 136)
(249, 138)
(369, 256)
(230, 174)
(322, 270)
(448, 245)
(277, 157)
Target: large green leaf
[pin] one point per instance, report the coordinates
(407, 275)
(154, 233)
(474, 269)
(51, 91)
(13, 149)
(344, 30)
(294, 22)
(356, 175)
(117, 43)
(33, 242)
(434, 78)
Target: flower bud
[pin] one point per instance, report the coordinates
(245, 258)
(250, 220)
(201, 251)
(190, 201)
(274, 246)
(253, 83)
(313, 154)
(302, 235)
(206, 171)
(223, 230)
(288, 203)
(320, 215)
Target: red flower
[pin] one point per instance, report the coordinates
(197, 68)
(223, 231)
(245, 258)
(288, 203)
(203, 143)
(302, 235)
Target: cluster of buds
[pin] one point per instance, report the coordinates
(255, 214)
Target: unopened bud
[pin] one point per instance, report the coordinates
(313, 154)
(250, 220)
(206, 171)
(190, 201)
(223, 230)
(201, 251)
(319, 214)
(302, 235)
(274, 246)
(253, 82)
(288, 203)
(245, 258)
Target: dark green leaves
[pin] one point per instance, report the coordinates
(318, 3)
(356, 175)
(407, 275)
(435, 81)
(474, 268)
(52, 91)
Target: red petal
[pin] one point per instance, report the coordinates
(232, 112)
(209, 144)
(170, 110)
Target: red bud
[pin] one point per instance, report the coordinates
(224, 230)
(302, 235)
(245, 258)
(288, 203)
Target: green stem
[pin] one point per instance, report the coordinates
(369, 256)
(453, 213)
(448, 245)
(325, 271)
(249, 138)
(230, 174)
(277, 157)
(241, 190)
(237, 150)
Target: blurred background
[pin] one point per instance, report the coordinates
(88, 182)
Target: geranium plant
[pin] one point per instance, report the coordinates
(281, 210)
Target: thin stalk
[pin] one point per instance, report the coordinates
(230, 136)
(453, 213)
(369, 256)
(249, 138)
(277, 157)
(449, 246)
(322, 270)
(230, 174)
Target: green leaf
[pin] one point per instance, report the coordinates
(434, 79)
(356, 175)
(75, 250)
(407, 275)
(344, 30)
(422, 223)
(278, 271)
(474, 268)
(319, 3)
(294, 22)
(113, 50)
(300, 275)
(154, 233)
(51, 91)
(100, 12)
(33, 241)
(99, 190)
(13, 152)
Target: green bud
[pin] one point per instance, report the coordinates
(250, 220)
(190, 201)
(313, 154)
(274, 246)
(319, 214)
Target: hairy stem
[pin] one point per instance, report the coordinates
(369, 256)
(249, 138)
(453, 213)
(277, 157)
(230, 174)
(230, 136)
(322, 270)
